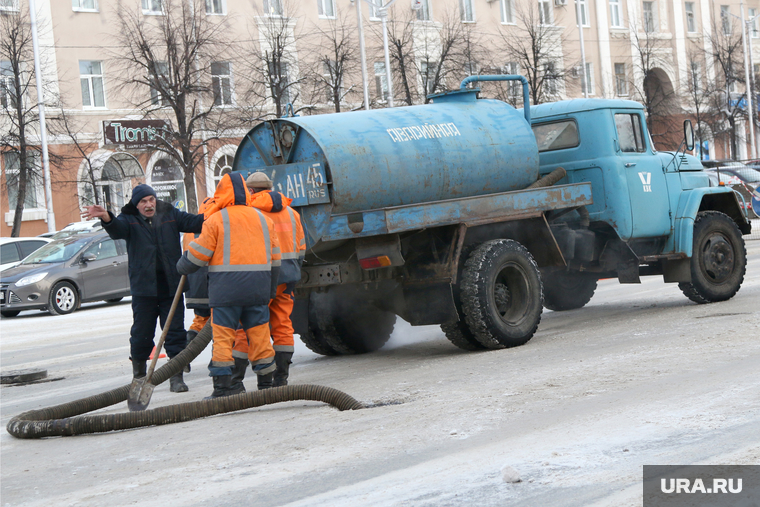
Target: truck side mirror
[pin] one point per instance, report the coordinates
(688, 134)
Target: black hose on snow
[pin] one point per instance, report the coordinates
(60, 421)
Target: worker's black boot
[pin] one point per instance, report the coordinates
(139, 368)
(177, 384)
(282, 361)
(265, 381)
(238, 374)
(221, 387)
(191, 336)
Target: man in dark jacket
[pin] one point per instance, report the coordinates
(151, 229)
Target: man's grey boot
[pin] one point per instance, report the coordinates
(221, 387)
(139, 368)
(265, 381)
(177, 384)
(238, 374)
(283, 361)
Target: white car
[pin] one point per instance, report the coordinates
(14, 250)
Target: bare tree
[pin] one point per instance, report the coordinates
(537, 48)
(64, 125)
(19, 118)
(271, 67)
(727, 104)
(649, 84)
(335, 58)
(697, 92)
(401, 52)
(168, 61)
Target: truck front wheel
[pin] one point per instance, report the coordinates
(501, 294)
(718, 260)
(567, 290)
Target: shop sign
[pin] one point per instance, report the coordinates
(134, 133)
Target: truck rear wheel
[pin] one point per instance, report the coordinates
(718, 259)
(350, 326)
(567, 290)
(501, 294)
(460, 335)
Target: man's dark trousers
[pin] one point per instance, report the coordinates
(145, 311)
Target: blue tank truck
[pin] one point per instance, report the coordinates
(439, 213)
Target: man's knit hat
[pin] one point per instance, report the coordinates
(141, 191)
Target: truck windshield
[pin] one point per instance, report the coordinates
(556, 136)
(630, 135)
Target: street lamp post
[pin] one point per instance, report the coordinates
(382, 9)
(584, 80)
(748, 82)
(362, 52)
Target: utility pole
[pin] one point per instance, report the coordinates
(43, 127)
(383, 12)
(362, 52)
(748, 84)
(584, 80)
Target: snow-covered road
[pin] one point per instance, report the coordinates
(639, 376)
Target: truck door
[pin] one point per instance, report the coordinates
(647, 188)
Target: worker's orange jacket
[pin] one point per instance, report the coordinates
(287, 224)
(196, 293)
(239, 246)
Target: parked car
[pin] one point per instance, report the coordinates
(13, 250)
(75, 228)
(65, 273)
(730, 172)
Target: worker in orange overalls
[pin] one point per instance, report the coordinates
(242, 252)
(196, 296)
(287, 223)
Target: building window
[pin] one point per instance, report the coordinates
(427, 74)
(615, 14)
(215, 7)
(167, 181)
(621, 82)
(153, 6)
(550, 79)
(7, 85)
(589, 79)
(273, 7)
(545, 12)
(84, 5)
(326, 8)
(467, 11)
(223, 166)
(725, 19)
(691, 23)
(695, 79)
(381, 82)
(279, 82)
(423, 13)
(91, 79)
(514, 88)
(221, 81)
(584, 13)
(35, 195)
(649, 17)
(754, 33)
(8, 5)
(159, 81)
(506, 11)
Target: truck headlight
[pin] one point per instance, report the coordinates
(28, 280)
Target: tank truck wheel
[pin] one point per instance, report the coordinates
(357, 329)
(460, 335)
(64, 299)
(313, 338)
(501, 294)
(567, 290)
(718, 260)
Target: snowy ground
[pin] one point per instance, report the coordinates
(639, 376)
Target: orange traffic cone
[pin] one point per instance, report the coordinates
(160, 356)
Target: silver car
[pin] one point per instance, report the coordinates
(65, 273)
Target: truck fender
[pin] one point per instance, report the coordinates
(693, 201)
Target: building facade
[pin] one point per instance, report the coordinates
(107, 116)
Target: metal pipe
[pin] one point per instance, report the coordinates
(43, 125)
(384, 19)
(584, 81)
(747, 81)
(510, 77)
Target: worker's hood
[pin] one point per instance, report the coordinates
(270, 201)
(231, 191)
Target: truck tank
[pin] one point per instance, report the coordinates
(344, 164)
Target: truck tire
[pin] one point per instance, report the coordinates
(718, 260)
(316, 343)
(501, 294)
(567, 290)
(460, 335)
(354, 328)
